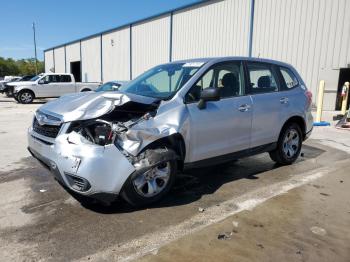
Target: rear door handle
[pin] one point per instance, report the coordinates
(244, 108)
(284, 100)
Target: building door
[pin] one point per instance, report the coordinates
(344, 76)
(75, 69)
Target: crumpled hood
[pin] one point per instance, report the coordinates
(22, 83)
(88, 105)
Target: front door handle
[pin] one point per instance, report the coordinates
(244, 108)
(284, 100)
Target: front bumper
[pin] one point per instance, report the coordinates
(84, 168)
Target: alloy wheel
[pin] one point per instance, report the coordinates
(26, 97)
(291, 143)
(153, 181)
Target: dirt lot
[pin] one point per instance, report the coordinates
(248, 210)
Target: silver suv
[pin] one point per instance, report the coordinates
(184, 114)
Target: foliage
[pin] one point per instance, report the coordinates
(11, 67)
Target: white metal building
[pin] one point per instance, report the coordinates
(312, 35)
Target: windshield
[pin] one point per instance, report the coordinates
(162, 81)
(35, 78)
(109, 86)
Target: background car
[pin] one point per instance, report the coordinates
(110, 86)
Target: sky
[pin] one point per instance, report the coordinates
(62, 21)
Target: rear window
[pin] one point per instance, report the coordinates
(289, 78)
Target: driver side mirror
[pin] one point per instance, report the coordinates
(208, 94)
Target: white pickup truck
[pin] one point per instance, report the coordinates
(49, 85)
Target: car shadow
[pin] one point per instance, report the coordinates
(14, 101)
(192, 185)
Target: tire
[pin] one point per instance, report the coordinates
(16, 97)
(288, 145)
(136, 190)
(25, 97)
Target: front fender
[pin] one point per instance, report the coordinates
(171, 119)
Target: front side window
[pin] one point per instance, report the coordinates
(262, 78)
(162, 81)
(289, 78)
(51, 79)
(225, 76)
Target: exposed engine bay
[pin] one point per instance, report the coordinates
(105, 129)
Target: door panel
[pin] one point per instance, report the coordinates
(49, 88)
(223, 126)
(268, 103)
(219, 129)
(266, 118)
(66, 85)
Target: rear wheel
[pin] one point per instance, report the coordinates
(151, 180)
(25, 97)
(288, 145)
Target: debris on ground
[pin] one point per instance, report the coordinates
(260, 245)
(201, 209)
(42, 190)
(225, 236)
(258, 225)
(344, 123)
(318, 231)
(324, 194)
(235, 223)
(302, 154)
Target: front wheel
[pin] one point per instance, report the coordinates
(25, 97)
(152, 178)
(288, 145)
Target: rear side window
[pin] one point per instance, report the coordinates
(65, 78)
(289, 78)
(262, 79)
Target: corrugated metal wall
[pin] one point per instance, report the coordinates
(49, 64)
(72, 54)
(59, 60)
(91, 60)
(116, 55)
(312, 35)
(207, 30)
(150, 44)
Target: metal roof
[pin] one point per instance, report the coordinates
(134, 22)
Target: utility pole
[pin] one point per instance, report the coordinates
(36, 59)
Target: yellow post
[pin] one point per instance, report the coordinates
(345, 96)
(320, 101)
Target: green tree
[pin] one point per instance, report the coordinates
(19, 67)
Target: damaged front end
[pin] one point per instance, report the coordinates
(95, 153)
